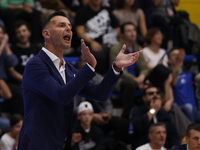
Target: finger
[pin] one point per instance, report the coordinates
(123, 48)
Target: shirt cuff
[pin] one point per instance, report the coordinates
(91, 67)
(116, 73)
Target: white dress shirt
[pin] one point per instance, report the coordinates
(61, 70)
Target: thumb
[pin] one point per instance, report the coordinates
(123, 48)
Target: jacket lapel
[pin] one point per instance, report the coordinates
(53, 70)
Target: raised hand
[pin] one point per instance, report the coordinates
(123, 60)
(87, 54)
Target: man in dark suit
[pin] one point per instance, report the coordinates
(192, 138)
(149, 113)
(50, 84)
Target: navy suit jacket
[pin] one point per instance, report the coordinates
(181, 147)
(48, 101)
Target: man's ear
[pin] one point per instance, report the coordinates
(46, 34)
(150, 136)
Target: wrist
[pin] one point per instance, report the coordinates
(116, 67)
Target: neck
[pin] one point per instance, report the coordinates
(154, 47)
(57, 52)
(24, 45)
(84, 126)
(12, 134)
(95, 7)
(155, 146)
(129, 45)
(127, 7)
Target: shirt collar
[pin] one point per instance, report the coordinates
(53, 58)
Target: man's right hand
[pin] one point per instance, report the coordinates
(87, 55)
(156, 104)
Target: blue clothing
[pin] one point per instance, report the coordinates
(192, 114)
(48, 101)
(4, 124)
(184, 91)
(6, 61)
(181, 147)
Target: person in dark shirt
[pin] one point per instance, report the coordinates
(149, 113)
(86, 135)
(23, 49)
(99, 29)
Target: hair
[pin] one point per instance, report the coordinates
(14, 119)
(120, 5)
(48, 18)
(19, 23)
(155, 125)
(124, 24)
(151, 32)
(158, 76)
(148, 85)
(3, 28)
(193, 126)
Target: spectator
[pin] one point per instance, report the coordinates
(48, 7)
(184, 94)
(183, 139)
(161, 77)
(7, 62)
(86, 135)
(4, 90)
(157, 136)
(153, 54)
(151, 112)
(147, 7)
(12, 10)
(9, 141)
(99, 29)
(164, 17)
(192, 138)
(133, 76)
(4, 125)
(74, 5)
(128, 11)
(23, 49)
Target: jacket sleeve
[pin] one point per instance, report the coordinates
(140, 120)
(38, 78)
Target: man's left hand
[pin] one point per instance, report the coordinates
(124, 60)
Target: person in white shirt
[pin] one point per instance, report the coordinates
(9, 141)
(157, 136)
(153, 54)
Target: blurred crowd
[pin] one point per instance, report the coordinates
(158, 95)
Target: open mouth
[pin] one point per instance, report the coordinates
(67, 37)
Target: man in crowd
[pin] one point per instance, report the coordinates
(157, 136)
(23, 48)
(149, 113)
(192, 138)
(135, 74)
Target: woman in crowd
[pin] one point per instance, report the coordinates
(127, 11)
